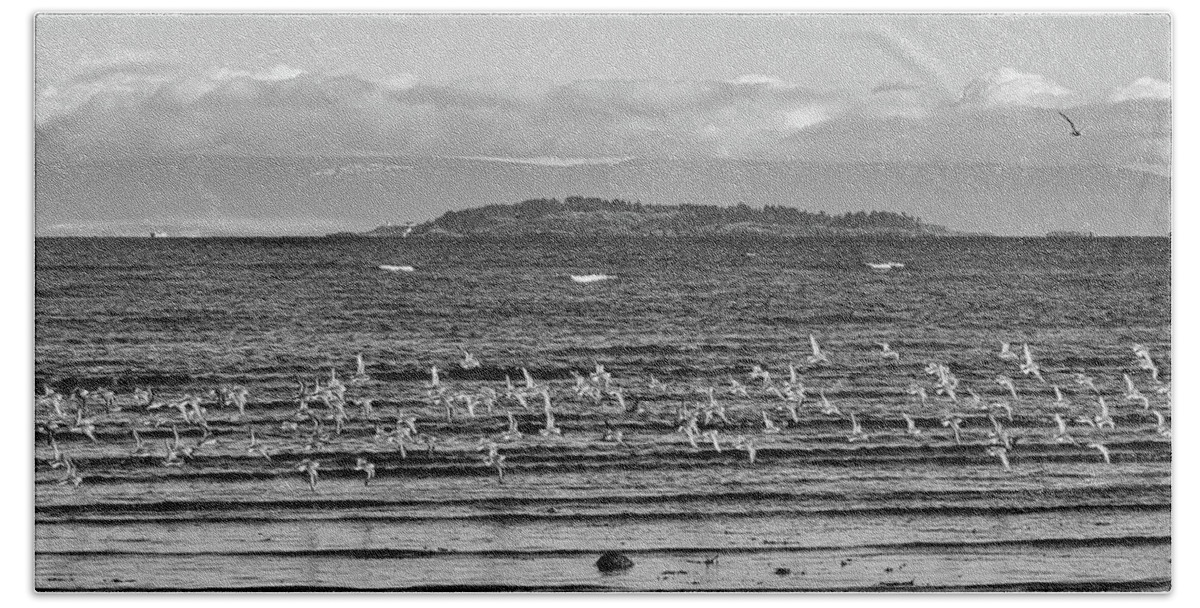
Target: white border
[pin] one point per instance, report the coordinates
(16, 19)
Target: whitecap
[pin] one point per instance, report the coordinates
(590, 278)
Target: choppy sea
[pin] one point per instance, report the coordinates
(815, 511)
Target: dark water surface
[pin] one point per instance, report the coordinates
(185, 316)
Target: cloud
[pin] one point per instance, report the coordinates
(922, 65)
(1142, 88)
(1007, 87)
(146, 109)
(806, 117)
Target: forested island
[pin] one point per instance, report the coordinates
(578, 216)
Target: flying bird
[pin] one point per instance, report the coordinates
(365, 467)
(817, 355)
(1000, 452)
(1074, 130)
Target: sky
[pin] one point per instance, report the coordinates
(804, 88)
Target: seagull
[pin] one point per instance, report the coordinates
(768, 426)
(601, 378)
(139, 447)
(999, 435)
(1059, 400)
(551, 428)
(514, 431)
(657, 386)
(240, 396)
(712, 436)
(362, 465)
(59, 459)
(748, 445)
(498, 462)
(1029, 367)
(1000, 452)
(56, 402)
(1133, 394)
(207, 439)
(1099, 447)
(510, 391)
(887, 352)
(758, 372)
(947, 383)
(1161, 428)
(912, 424)
(468, 361)
(828, 408)
(620, 395)
(81, 394)
(793, 410)
(689, 431)
(715, 409)
(736, 388)
(398, 437)
(143, 397)
(1074, 131)
(408, 421)
(612, 435)
(1006, 353)
(434, 381)
(954, 422)
(173, 456)
(256, 448)
(109, 398)
(469, 401)
(521, 400)
(72, 477)
(1103, 419)
(1145, 361)
(856, 431)
(529, 384)
(1062, 436)
(494, 457)
(817, 356)
(84, 426)
(310, 466)
(360, 373)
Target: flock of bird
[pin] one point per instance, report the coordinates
(703, 418)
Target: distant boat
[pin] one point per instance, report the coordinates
(396, 268)
(886, 266)
(590, 278)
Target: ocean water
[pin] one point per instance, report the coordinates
(188, 315)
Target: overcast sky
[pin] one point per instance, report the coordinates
(934, 89)
(1087, 53)
(680, 85)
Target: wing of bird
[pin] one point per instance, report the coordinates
(1074, 129)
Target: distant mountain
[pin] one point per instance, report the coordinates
(577, 216)
(230, 195)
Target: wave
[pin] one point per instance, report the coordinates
(834, 504)
(918, 546)
(551, 161)
(591, 278)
